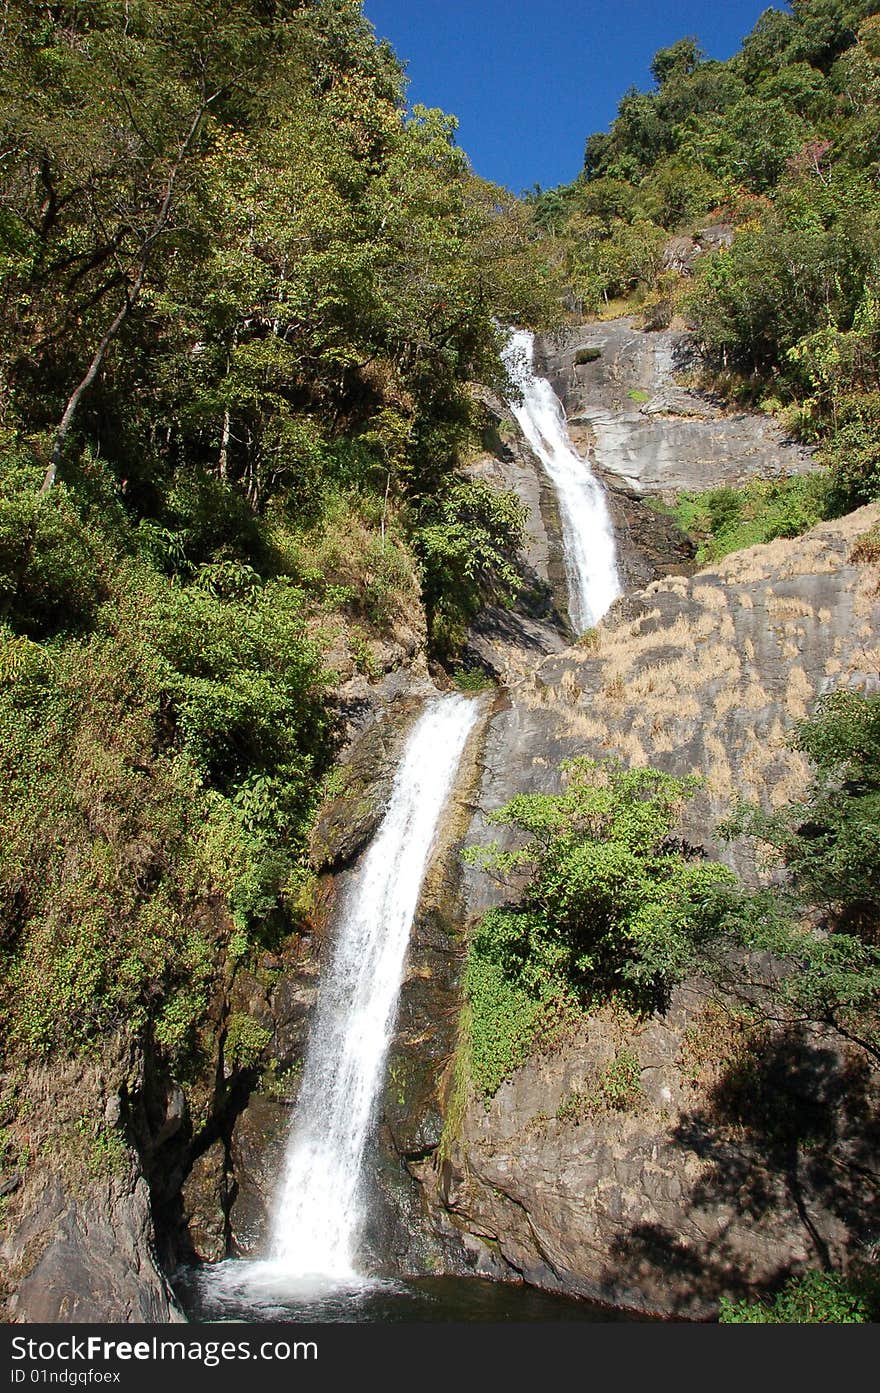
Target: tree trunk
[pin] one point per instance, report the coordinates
(122, 314)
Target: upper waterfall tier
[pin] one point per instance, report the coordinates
(587, 533)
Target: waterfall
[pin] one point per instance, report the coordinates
(587, 534)
(320, 1207)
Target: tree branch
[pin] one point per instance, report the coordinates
(131, 297)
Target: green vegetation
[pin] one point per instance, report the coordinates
(244, 296)
(104, 1151)
(245, 1041)
(612, 907)
(467, 543)
(616, 1089)
(473, 680)
(768, 160)
(816, 1298)
(722, 520)
(829, 844)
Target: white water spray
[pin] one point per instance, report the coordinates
(320, 1208)
(587, 534)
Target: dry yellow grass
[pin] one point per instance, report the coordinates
(650, 696)
(719, 775)
(712, 596)
(798, 692)
(788, 607)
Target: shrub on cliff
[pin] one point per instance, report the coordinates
(723, 520)
(609, 906)
(829, 844)
(467, 543)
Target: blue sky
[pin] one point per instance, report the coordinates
(529, 80)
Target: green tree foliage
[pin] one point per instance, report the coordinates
(829, 841)
(468, 542)
(816, 1298)
(609, 905)
(244, 294)
(722, 520)
(829, 844)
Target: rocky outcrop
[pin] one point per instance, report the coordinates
(509, 642)
(650, 432)
(97, 1260)
(687, 1196)
(78, 1239)
(701, 1186)
(701, 674)
(353, 809)
(704, 1185)
(681, 254)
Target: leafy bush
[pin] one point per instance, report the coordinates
(723, 520)
(242, 678)
(245, 1041)
(611, 906)
(52, 564)
(170, 757)
(816, 1298)
(829, 843)
(101, 865)
(467, 542)
(852, 452)
(506, 1020)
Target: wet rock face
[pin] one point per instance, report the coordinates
(257, 1164)
(222, 1204)
(648, 431)
(695, 1190)
(77, 1242)
(423, 1048)
(509, 642)
(349, 818)
(99, 1262)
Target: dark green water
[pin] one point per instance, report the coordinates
(233, 1291)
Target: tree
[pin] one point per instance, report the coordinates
(611, 904)
(95, 192)
(679, 60)
(829, 844)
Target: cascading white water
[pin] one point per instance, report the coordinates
(320, 1206)
(587, 534)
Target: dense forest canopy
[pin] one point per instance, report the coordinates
(244, 294)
